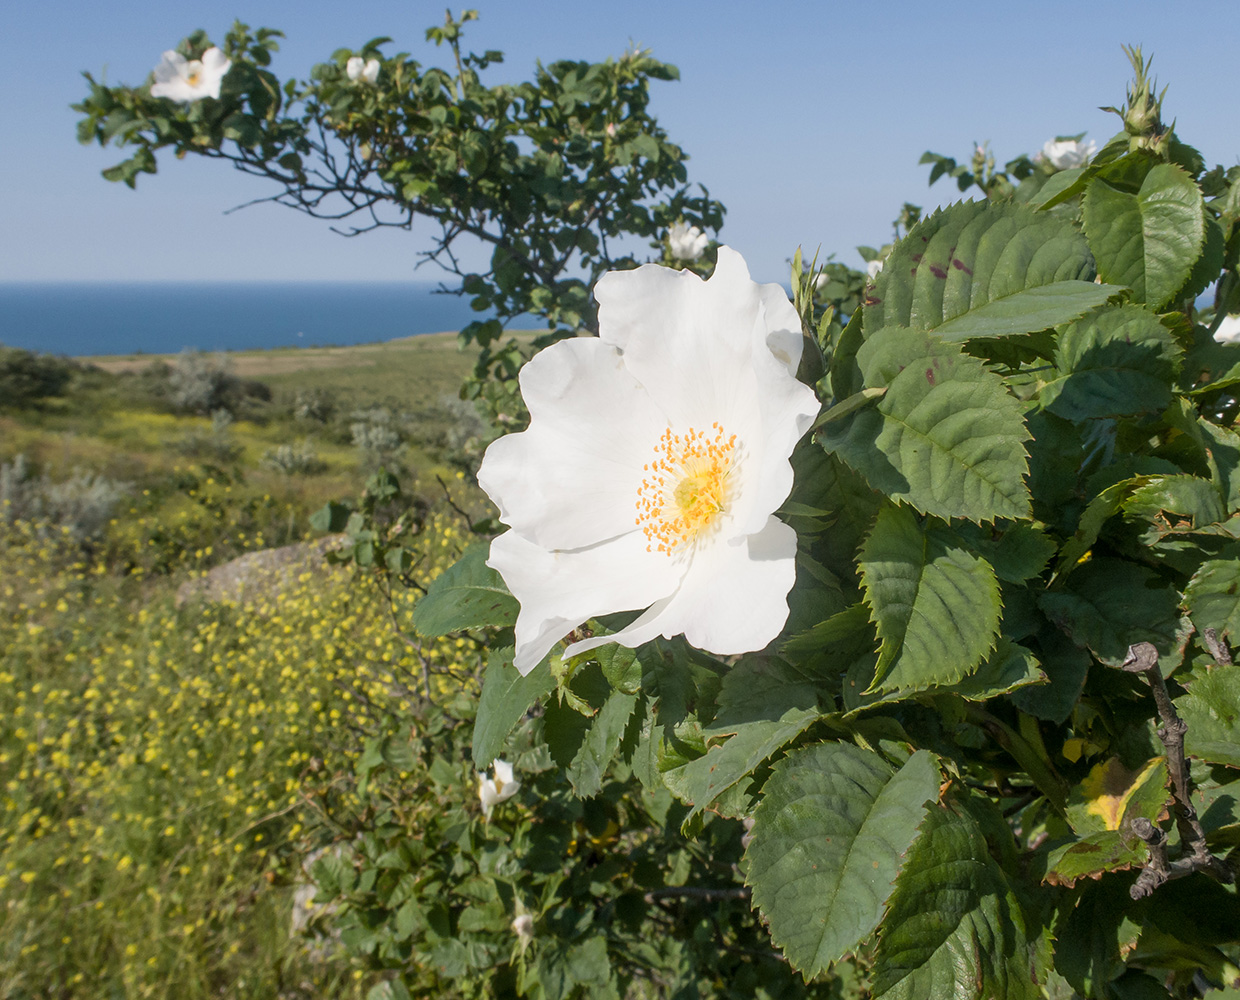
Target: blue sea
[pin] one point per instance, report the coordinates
(165, 317)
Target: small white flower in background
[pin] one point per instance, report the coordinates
(611, 129)
(873, 267)
(366, 70)
(656, 456)
(686, 242)
(184, 79)
(1228, 331)
(1064, 154)
(493, 791)
(820, 280)
(523, 927)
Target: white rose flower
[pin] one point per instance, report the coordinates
(1064, 154)
(189, 80)
(656, 456)
(1228, 331)
(686, 242)
(366, 70)
(523, 927)
(493, 791)
(872, 268)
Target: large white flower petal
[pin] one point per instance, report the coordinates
(571, 479)
(1228, 331)
(787, 408)
(733, 599)
(559, 590)
(693, 381)
(215, 63)
(691, 343)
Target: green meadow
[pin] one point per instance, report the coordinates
(167, 763)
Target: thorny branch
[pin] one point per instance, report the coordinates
(1142, 658)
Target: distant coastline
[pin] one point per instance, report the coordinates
(98, 318)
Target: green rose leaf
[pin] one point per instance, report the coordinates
(978, 269)
(935, 603)
(1213, 597)
(1175, 504)
(762, 705)
(946, 437)
(1117, 362)
(506, 697)
(469, 594)
(1109, 604)
(1149, 235)
(829, 838)
(1089, 857)
(1211, 709)
(953, 928)
(600, 744)
(1010, 667)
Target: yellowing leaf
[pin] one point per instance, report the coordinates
(1111, 793)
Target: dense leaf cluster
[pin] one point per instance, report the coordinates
(964, 763)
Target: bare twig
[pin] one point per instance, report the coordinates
(1142, 658)
(1218, 649)
(697, 892)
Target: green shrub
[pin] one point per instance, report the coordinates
(26, 377)
(81, 505)
(293, 460)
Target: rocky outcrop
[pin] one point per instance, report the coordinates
(258, 575)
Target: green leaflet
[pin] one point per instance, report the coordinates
(469, 594)
(1101, 508)
(1111, 797)
(1089, 857)
(584, 729)
(600, 744)
(1211, 710)
(978, 269)
(953, 929)
(1223, 450)
(1148, 233)
(829, 838)
(506, 697)
(1117, 362)
(1213, 597)
(762, 705)
(947, 437)
(1175, 503)
(936, 604)
(1109, 604)
(1009, 667)
(1065, 667)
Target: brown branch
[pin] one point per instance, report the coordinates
(1218, 649)
(696, 892)
(1142, 658)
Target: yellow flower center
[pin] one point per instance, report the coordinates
(193, 79)
(686, 487)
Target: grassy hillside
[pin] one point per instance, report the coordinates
(167, 766)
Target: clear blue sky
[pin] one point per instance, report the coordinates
(806, 120)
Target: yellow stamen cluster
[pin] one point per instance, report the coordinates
(686, 486)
